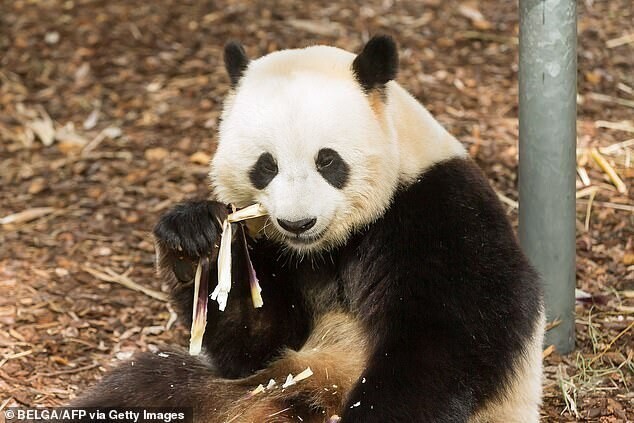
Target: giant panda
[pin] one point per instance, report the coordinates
(387, 263)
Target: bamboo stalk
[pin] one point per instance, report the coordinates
(609, 170)
(602, 98)
(606, 349)
(620, 41)
(26, 215)
(113, 277)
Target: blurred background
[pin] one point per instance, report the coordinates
(108, 116)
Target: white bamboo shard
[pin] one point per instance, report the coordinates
(222, 289)
(292, 380)
(303, 375)
(257, 390)
(251, 212)
(221, 292)
(199, 306)
(254, 283)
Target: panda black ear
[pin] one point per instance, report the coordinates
(236, 61)
(377, 63)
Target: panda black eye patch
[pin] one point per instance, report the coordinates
(263, 171)
(332, 167)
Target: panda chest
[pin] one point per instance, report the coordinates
(322, 291)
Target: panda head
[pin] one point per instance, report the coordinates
(305, 133)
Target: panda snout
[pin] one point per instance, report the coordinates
(297, 226)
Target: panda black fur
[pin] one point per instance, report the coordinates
(408, 295)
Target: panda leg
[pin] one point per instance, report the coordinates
(175, 380)
(521, 400)
(168, 379)
(335, 352)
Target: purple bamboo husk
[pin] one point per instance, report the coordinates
(254, 283)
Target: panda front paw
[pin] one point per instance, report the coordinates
(186, 232)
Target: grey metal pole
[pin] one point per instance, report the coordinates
(547, 114)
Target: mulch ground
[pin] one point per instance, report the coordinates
(108, 113)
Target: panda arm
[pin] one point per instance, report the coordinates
(447, 297)
(241, 339)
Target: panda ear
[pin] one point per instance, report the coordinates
(236, 61)
(377, 63)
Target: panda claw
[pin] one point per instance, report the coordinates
(186, 232)
(183, 269)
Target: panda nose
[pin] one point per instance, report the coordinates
(297, 226)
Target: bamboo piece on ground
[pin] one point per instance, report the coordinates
(609, 170)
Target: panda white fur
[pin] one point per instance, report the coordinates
(387, 263)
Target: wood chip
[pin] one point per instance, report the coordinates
(26, 215)
(111, 132)
(156, 154)
(322, 28)
(625, 125)
(602, 98)
(548, 351)
(470, 11)
(200, 157)
(43, 128)
(620, 41)
(509, 202)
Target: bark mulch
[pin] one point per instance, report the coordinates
(108, 113)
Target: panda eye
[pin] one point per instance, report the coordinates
(325, 158)
(332, 167)
(268, 163)
(324, 162)
(263, 171)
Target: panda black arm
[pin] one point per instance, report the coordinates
(448, 298)
(241, 339)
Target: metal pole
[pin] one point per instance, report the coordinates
(547, 114)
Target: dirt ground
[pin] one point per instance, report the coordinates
(108, 113)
